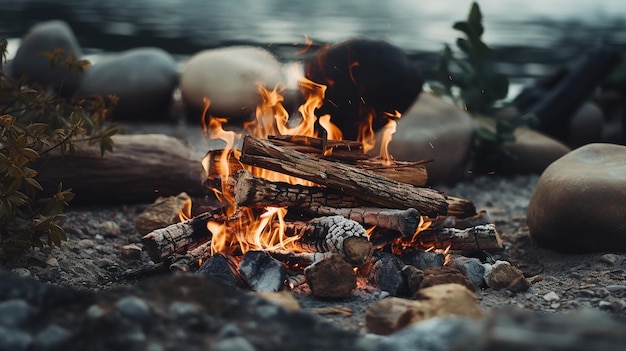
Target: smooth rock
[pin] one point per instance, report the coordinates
(434, 129)
(143, 79)
(52, 338)
(364, 79)
(47, 37)
(551, 297)
(228, 77)
(14, 340)
(392, 314)
(586, 125)
(133, 307)
(14, 312)
(331, 278)
(532, 151)
(579, 202)
(238, 343)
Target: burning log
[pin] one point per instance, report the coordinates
(364, 185)
(413, 173)
(253, 191)
(333, 234)
(404, 221)
(301, 259)
(180, 237)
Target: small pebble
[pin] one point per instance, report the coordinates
(555, 305)
(616, 288)
(551, 297)
(52, 261)
(610, 259)
(14, 312)
(95, 311)
(110, 229)
(52, 337)
(133, 307)
(605, 305)
(22, 272)
(131, 252)
(179, 308)
(86, 244)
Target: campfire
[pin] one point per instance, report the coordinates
(301, 205)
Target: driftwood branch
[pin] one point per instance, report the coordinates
(361, 184)
(141, 168)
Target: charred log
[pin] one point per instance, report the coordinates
(361, 184)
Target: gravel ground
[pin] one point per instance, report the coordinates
(91, 259)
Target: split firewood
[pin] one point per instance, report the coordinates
(180, 237)
(480, 237)
(404, 221)
(460, 208)
(346, 150)
(408, 172)
(333, 234)
(253, 191)
(192, 259)
(362, 184)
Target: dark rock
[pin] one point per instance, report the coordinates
(331, 278)
(579, 202)
(262, 272)
(414, 278)
(471, 267)
(47, 37)
(386, 274)
(143, 79)
(222, 268)
(364, 77)
(422, 259)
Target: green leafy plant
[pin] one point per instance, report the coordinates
(32, 124)
(473, 82)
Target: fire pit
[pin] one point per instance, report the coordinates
(297, 204)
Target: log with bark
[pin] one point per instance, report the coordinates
(363, 185)
(141, 168)
(180, 237)
(253, 191)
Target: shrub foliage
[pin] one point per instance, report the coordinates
(33, 122)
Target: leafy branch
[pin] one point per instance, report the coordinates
(32, 124)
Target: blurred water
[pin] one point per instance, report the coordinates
(528, 32)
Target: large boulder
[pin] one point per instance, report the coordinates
(30, 62)
(579, 203)
(229, 78)
(364, 77)
(434, 129)
(143, 79)
(531, 152)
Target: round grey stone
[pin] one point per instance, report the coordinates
(133, 307)
(14, 312)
